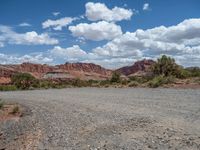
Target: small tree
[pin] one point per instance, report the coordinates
(166, 66)
(23, 80)
(115, 77)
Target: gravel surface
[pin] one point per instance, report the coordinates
(107, 119)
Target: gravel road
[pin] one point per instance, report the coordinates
(106, 119)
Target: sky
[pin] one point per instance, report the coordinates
(111, 33)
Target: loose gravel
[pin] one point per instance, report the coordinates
(104, 119)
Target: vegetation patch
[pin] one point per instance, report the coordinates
(160, 80)
(115, 78)
(8, 88)
(10, 111)
(133, 84)
(163, 72)
(15, 110)
(1, 104)
(24, 81)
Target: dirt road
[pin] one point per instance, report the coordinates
(107, 119)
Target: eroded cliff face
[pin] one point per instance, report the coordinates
(139, 67)
(84, 71)
(5, 74)
(85, 67)
(6, 71)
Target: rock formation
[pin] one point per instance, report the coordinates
(138, 68)
(84, 71)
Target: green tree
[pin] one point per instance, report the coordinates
(115, 77)
(166, 66)
(23, 80)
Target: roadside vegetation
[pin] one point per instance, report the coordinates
(165, 71)
(15, 110)
(1, 104)
(9, 111)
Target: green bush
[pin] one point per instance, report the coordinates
(8, 88)
(184, 74)
(160, 80)
(35, 84)
(23, 80)
(115, 78)
(45, 84)
(166, 66)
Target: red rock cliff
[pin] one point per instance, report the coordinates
(77, 70)
(139, 66)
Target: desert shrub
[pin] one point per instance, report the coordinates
(8, 88)
(160, 80)
(15, 110)
(35, 84)
(115, 77)
(133, 84)
(104, 83)
(92, 82)
(166, 66)
(79, 83)
(140, 80)
(194, 71)
(183, 74)
(1, 104)
(45, 84)
(124, 82)
(23, 80)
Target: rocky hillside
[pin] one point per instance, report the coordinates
(83, 71)
(138, 68)
(85, 67)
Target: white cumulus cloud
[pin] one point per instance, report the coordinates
(69, 54)
(57, 24)
(7, 35)
(99, 11)
(96, 31)
(32, 58)
(177, 41)
(180, 41)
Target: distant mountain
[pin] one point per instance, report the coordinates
(138, 68)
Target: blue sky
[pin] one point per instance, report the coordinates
(112, 33)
